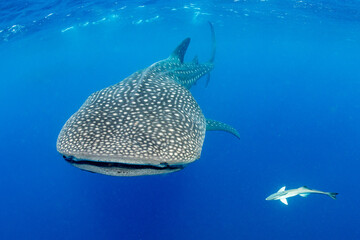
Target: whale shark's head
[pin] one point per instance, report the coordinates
(149, 123)
(146, 124)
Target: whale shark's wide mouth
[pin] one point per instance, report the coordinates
(122, 169)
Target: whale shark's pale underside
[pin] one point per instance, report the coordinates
(149, 123)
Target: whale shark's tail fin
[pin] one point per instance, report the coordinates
(333, 195)
(213, 43)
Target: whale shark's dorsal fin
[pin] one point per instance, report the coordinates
(179, 52)
(282, 189)
(212, 125)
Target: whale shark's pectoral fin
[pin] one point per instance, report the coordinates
(284, 201)
(179, 52)
(212, 125)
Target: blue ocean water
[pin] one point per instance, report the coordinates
(286, 76)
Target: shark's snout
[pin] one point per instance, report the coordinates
(271, 197)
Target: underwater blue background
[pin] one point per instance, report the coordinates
(287, 76)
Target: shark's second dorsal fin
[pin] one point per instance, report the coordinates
(196, 60)
(207, 80)
(212, 125)
(282, 189)
(180, 50)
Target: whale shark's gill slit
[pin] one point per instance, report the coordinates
(161, 166)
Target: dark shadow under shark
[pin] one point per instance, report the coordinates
(149, 123)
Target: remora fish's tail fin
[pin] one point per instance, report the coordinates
(180, 50)
(333, 195)
(213, 43)
(212, 125)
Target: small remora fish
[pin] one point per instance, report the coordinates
(304, 191)
(149, 123)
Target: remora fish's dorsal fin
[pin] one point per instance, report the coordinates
(281, 189)
(180, 50)
(284, 201)
(212, 125)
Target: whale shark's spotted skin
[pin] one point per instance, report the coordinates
(156, 121)
(149, 123)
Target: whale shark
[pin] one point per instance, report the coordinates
(149, 123)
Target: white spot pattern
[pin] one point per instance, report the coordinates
(148, 118)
